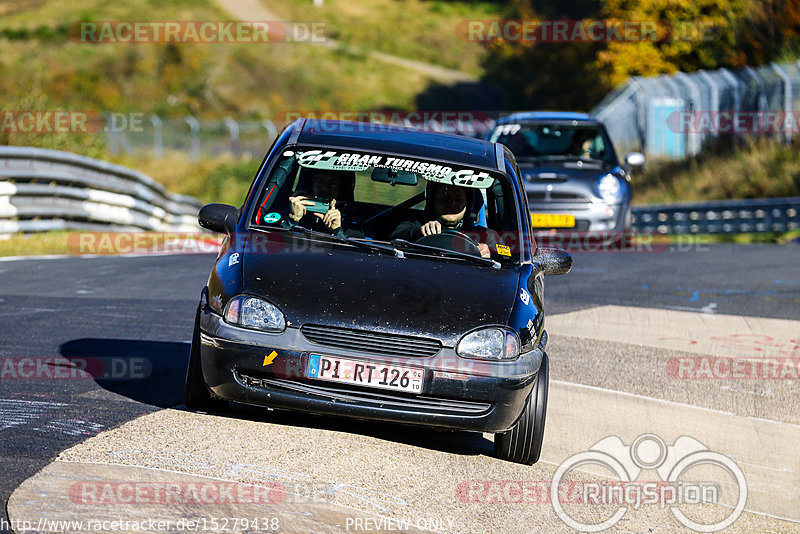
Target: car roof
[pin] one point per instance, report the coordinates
(397, 140)
(547, 116)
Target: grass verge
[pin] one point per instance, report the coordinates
(34, 244)
(760, 169)
(429, 31)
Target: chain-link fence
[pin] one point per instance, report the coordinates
(670, 117)
(198, 138)
(193, 137)
(675, 116)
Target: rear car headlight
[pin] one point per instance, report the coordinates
(255, 313)
(610, 188)
(491, 343)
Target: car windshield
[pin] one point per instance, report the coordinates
(411, 203)
(554, 141)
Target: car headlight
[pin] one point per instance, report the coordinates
(491, 343)
(255, 313)
(610, 188)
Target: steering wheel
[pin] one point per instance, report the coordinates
(451, 240)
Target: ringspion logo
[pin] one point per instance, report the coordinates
(678, 467)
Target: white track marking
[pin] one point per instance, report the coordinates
(579, 416)
(717, 335)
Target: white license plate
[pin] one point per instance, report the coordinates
(365, 373)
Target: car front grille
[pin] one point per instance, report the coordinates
(557, 196)
(371, 342)
(538, 197)
(382, 399)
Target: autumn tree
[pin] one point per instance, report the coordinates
(691, 35)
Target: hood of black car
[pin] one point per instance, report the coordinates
(334, 284)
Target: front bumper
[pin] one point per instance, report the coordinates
(457, 393)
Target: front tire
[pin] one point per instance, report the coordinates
(196, 395)
(523, 443)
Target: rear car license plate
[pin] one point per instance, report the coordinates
(552, 220)
(363, 373)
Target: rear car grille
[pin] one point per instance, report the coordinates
(371, 342)
(380, 399)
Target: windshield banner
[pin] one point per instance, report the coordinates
(350, 161)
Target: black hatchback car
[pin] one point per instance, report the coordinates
(380, 273)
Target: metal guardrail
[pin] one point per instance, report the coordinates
(719, 217)
(43, 190)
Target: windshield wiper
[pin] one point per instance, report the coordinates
(402, 243)
(372, 245)
(368, 245)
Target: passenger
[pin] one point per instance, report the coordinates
(336, 186)
(446, 208)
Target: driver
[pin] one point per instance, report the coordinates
(446, 209)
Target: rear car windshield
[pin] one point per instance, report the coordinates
(555, 141)
(382, 197)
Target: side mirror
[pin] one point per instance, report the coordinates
(219, 218)
(635, 159)
(553, 260)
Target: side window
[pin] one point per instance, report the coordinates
(275, 195)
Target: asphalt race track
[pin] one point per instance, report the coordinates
(627, 334)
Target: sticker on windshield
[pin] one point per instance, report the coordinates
(330, 160)
(470, 178)
(272, 217)
(503, 250)
(351, 161)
